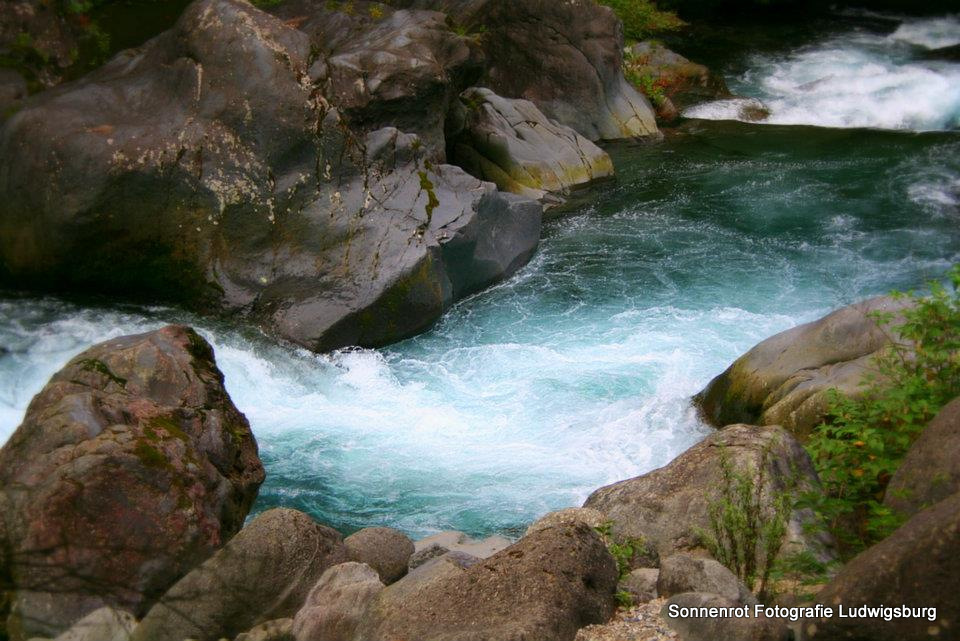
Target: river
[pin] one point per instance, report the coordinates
(578, 371)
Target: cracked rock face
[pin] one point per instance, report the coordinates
(565, 57)
(131, 466)
(209, 167)
(511, 143)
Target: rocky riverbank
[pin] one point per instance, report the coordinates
(124, 489)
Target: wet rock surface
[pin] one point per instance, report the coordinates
(131, 466)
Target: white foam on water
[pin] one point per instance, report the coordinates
(857, 79)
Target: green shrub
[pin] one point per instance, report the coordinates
(863, 440)
(641, 18)
(748, 526)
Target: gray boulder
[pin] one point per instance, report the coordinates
(265, 572)
(784, 379)
(593, 518)
(337, 603)
(565, 57)
(668, 506)
(511, 143)
(546, 586)
(685, 573)
(379, 66)
(715, 628)
(276, 630)
(386, 550)
(930, 472)
(131, 466)
(105, 624)
(13, 89)
(640, 584)
(440, 544)
(916, 566)
(210, 168)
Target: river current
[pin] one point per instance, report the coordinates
(578, 371)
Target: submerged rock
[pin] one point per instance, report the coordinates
(209, 167)
(666, 508)
(930, 472)
(511, 143)
(131, 466)
(917, 566)
(265, 572)
(784, 379)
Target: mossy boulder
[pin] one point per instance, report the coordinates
(131, 466)
(513, 144)
(784, 380)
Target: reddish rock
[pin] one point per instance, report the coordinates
(131, 466)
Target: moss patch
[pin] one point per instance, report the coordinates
(98, 366)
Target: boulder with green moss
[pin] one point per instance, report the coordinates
(511, 143)
(131, 466)
(784, 380)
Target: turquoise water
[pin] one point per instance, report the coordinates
(578, 371)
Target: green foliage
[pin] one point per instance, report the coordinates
(624, 599)
(747, 526)
(641, 18)
(650, 87)
(864, 439)
(626, 552)
(801, 573)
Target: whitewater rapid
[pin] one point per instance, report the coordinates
(578, 371)
(855, 79)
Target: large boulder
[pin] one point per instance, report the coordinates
(265, 572)
(669, 507)
(546, 586)
(337, 603)
(386, 550)
(380, 66)
(930, 472)
(209, 168)
(131, 466)
(511, 143)
(918, 566)
(784, 379)
(565, 57)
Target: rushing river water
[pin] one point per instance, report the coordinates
(578, 371)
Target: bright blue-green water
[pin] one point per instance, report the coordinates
(577, 371)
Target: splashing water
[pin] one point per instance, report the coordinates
(578, 371)
(859, 79)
